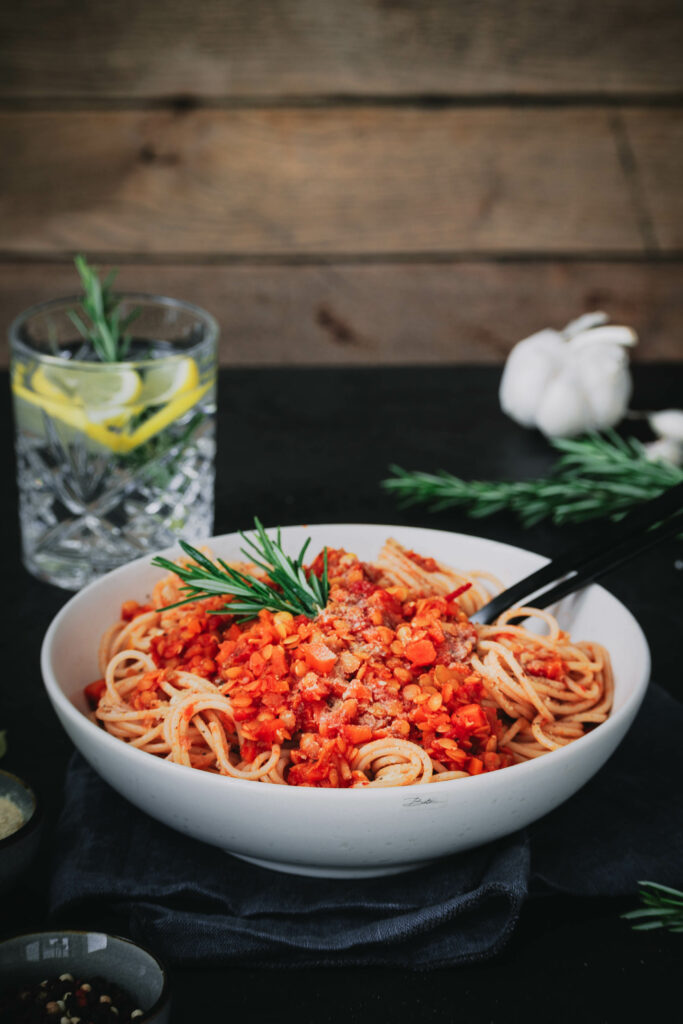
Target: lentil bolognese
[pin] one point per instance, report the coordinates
(389, 685)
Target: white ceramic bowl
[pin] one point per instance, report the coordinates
(344, 833)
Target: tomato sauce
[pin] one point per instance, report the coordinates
(376, 663)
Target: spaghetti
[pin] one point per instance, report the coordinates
(390, 685)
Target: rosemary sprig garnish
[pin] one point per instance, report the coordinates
(290, 589)
(103, 327)
(663, 908)
(598, 476)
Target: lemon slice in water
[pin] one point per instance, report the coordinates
(167, 380)
(172, 388)
(105, 402)
(102, 392)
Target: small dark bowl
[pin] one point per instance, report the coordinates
(18, 849)
(29, 959)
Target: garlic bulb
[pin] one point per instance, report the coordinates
(664, 449)
(667, 424)
(570, 381)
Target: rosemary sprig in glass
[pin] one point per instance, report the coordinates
(598, 476)
(103, 326)
(290, 587)
(663, 908)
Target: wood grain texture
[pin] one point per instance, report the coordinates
(301, 48)
(658, 151)
(345, 314)
(347, 180)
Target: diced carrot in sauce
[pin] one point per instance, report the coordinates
(549, 668)
(319, 657)
(421, 652)
(131, 609)
(357, 734)
(470, 720)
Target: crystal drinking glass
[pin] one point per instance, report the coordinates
(114, 459)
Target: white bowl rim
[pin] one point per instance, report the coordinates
(294, 793)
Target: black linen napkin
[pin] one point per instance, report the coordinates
(193, 903)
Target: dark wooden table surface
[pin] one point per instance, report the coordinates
(310, 446)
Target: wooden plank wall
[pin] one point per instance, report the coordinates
(378, 181)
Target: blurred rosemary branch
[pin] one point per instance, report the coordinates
(98, 318)
(597, 476)
(663, 908)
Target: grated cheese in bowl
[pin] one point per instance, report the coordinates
(11, 817)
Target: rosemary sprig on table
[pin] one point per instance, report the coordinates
(663, 908)
(598, 476)
(103, 327)
(290, 589)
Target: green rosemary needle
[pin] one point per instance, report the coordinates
(103, 325)
(663, 908)
(289, 587)
(598, 476)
